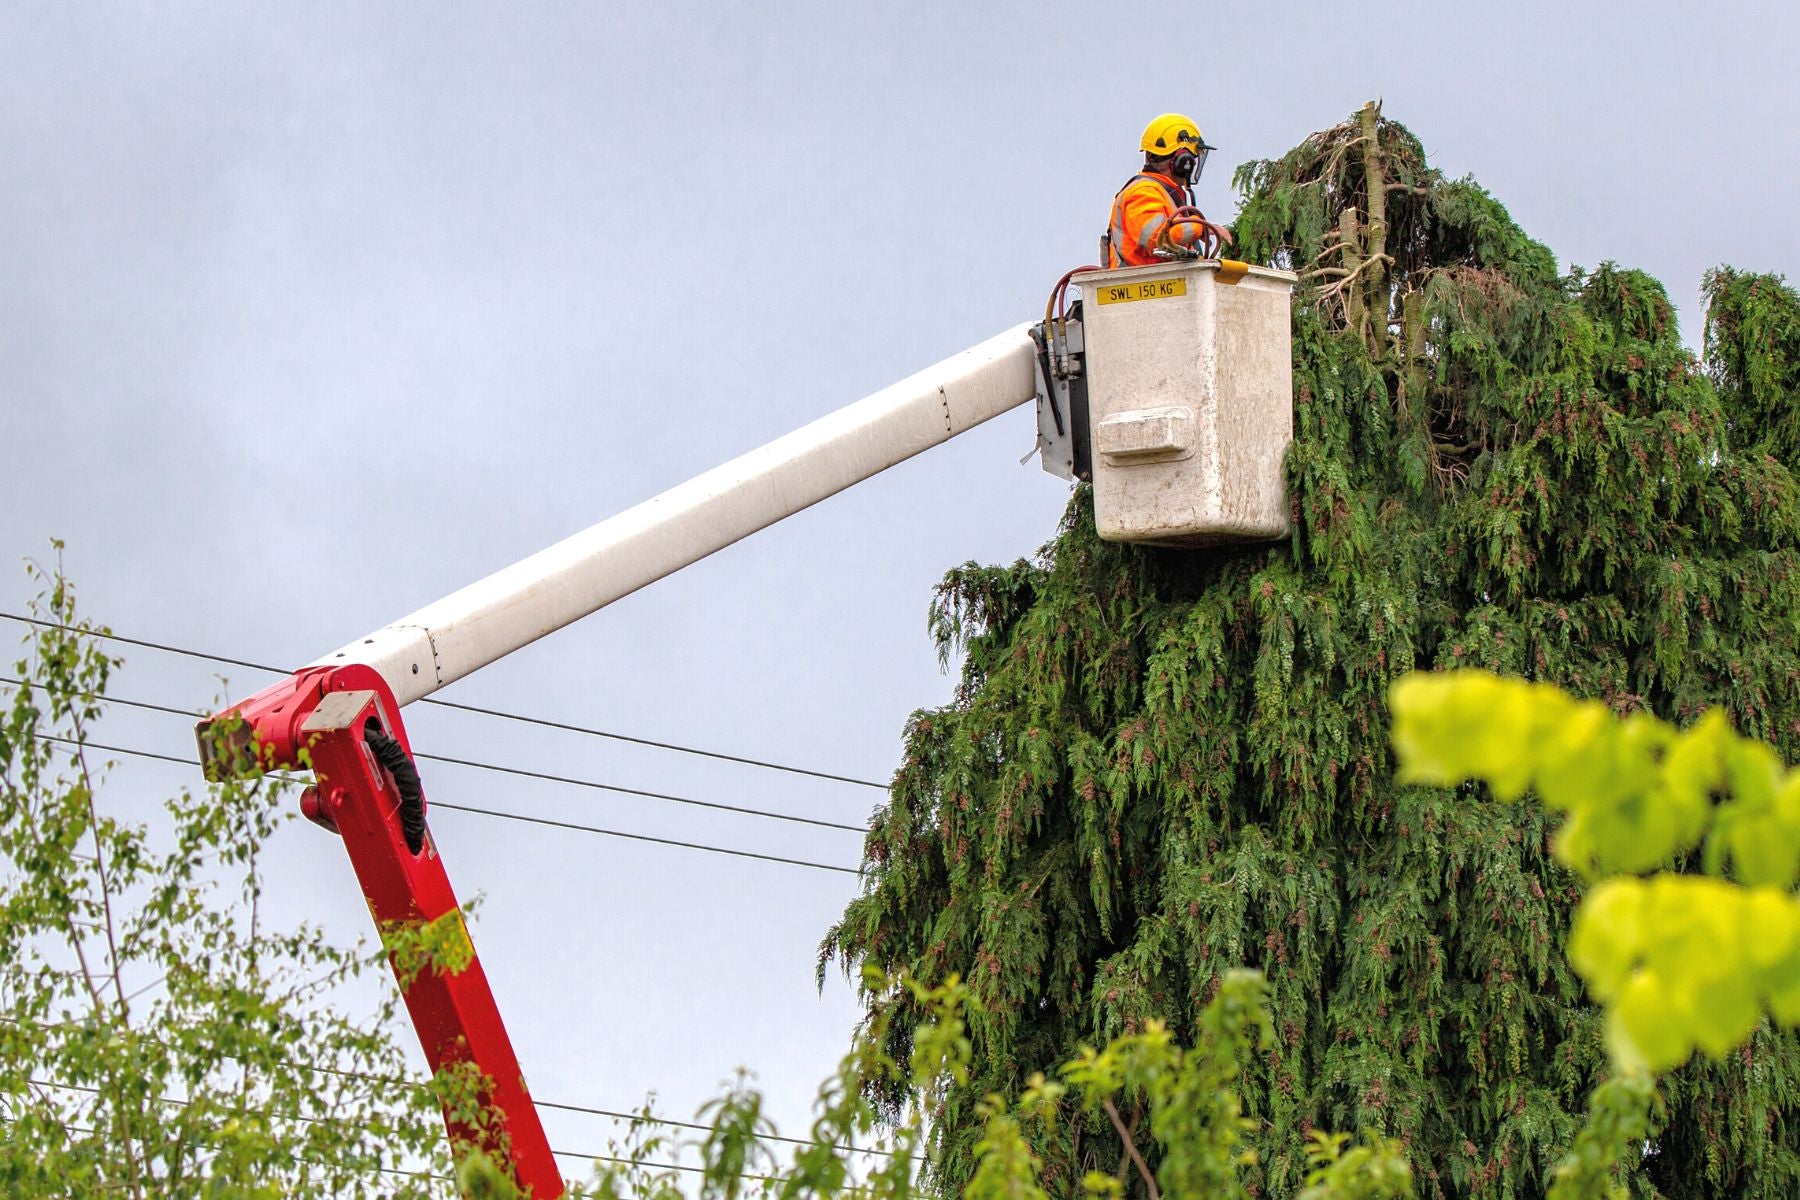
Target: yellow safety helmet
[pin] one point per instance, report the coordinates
(1172, 133)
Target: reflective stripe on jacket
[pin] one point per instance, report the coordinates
(1140, 213)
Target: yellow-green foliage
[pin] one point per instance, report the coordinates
(1679, 961)
(160, 1036)
(1182, 1103)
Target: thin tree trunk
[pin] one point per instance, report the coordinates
(1413, 377)
(1375, 247)
(1353, 260)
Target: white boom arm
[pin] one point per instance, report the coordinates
(465, 631)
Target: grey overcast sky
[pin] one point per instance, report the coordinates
(311, 313)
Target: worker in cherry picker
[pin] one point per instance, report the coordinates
(1154, 216)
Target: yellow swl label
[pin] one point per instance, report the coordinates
(1144, 289)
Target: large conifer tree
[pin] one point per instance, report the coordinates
(1161, 764)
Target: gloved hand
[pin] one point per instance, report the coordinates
(1203, 235)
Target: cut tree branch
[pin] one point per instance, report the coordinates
(1334, 288)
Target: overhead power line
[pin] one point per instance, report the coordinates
(521, 772)
(630, 791)
(499, 714)
(110, 636)
(399, 1081)
(85, 1131)
(178, 1102)
(717, 755)
(508, 816)
(610, 1113)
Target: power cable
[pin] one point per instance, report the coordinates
(591, 1111)
(311, 1119)
(468, 708)
(629, 791)
(311, 1162)
(521, 772)
(638, 741)
(110, 636)
(399, 1081)
(508, 816)
(644, 837)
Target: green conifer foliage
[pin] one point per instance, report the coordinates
(1161, 764)
(1753, 349)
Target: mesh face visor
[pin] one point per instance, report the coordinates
(1189, 141)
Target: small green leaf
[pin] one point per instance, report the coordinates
(1644, 1015)
(1607, 935)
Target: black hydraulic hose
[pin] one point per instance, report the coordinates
(1043, 355)
(393, 756)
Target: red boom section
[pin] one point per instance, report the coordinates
(323, 717)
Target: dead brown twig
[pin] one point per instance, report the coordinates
(1126, 1136)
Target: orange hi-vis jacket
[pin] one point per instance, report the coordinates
(1140, 213)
